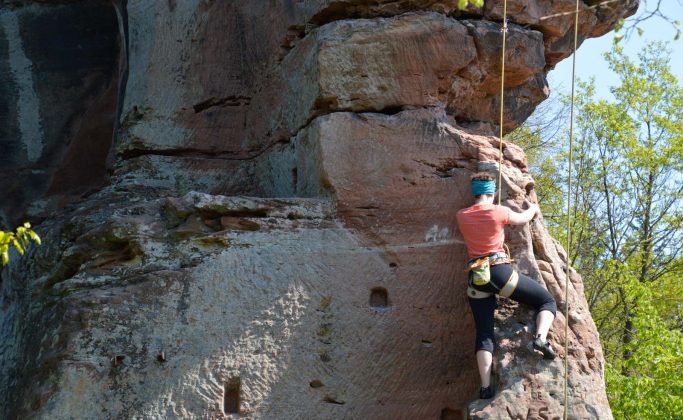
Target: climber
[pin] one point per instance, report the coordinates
(491, 273)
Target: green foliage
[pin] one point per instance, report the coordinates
(628, 207)
(626, 225)
(462, 4)
(542, 155)
(648, 384)
(20, 240)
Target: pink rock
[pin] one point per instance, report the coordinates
(279, 224)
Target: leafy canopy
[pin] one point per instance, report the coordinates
(626, 224)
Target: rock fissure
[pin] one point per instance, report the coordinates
(132, 153)
(122, 19)
(195, 153)
(343, 10)
(221, 102)
(346, 10)
(190, 153)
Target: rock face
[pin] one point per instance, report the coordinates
(276, 238)
(58, 97)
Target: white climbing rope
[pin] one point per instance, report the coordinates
(569, 216)
(504, 30)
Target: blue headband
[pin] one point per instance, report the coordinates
(481, 186)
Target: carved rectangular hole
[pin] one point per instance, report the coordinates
(451, 414)
(379, 297)
(231, 396)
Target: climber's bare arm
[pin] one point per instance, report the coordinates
(525, 216)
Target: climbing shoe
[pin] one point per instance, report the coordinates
(544, 347)
(486, 393)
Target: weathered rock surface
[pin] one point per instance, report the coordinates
(226, 80)
(555, 19)
(174, 292)
(58, 98)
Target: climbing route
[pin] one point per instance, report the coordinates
(504, 30)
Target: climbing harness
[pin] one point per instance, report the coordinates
(479, 270)
(506, 291)
(477, 294)
(510, 285)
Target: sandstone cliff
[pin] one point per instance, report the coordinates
(248, 208)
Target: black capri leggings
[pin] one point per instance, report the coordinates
(528, 292)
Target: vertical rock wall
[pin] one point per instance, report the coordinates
(58, 96)
(173, 292)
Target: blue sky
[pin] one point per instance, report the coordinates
(590, 63)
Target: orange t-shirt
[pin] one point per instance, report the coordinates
(482, 227)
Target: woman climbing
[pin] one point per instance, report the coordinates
(491, 273)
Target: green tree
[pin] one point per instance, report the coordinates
(627, 215)
(539, 137)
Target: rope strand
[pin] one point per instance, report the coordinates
(595, 6)
(569, 216)
(504, 29)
